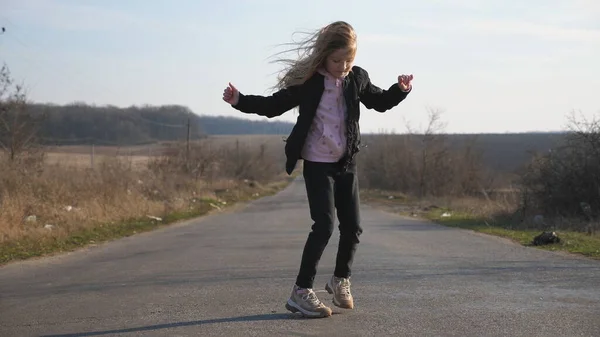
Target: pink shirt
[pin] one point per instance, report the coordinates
(326, 140)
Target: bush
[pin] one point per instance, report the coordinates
(36, 196)
(423, 164)
(566, 181)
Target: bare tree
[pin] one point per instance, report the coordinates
(18, 128)
(559, 181)
(434, 153)
(424, 162)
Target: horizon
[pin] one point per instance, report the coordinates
(490, 68)
(291, 124)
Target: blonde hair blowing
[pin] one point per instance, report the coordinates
(313, 51)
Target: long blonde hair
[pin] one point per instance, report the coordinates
(313, 51)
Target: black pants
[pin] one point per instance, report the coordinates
(328, 189)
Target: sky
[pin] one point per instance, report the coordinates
(485, 66)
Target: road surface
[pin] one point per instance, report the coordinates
(229, 274)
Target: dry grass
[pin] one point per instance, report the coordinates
(500, 205)
(79, 160)
(49, 199)
(70, 198)
(498, 215)
(139, 156)
(256, 139)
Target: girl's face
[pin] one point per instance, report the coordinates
(339, 62)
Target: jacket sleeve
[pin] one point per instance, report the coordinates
(270, 106)
(376, 98)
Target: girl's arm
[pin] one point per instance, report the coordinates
(269, 106)
(376, 98)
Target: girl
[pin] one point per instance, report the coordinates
(327, 89)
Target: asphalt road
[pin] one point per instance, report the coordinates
(230, 274)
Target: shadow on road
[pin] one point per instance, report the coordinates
(251, 318)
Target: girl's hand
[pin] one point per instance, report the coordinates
(404, 82)
(231, 95)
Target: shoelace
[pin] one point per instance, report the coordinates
(311, 297)
(344, 285)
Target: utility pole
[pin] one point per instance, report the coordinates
(187, 148)
(92, 156)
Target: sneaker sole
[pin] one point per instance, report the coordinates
(293, 307)
(335, 302)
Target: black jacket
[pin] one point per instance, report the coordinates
(357, 88)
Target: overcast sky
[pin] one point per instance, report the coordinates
(489, 66)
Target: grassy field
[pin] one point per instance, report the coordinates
(84, 156)
(139, 156)
(59, 203)
(493, 217)
(63, 237)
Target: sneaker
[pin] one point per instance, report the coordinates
(340, 288)
(306, 302)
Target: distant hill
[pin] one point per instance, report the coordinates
(503, 152)
(79, 123)
(508, 151)
(217, 125)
